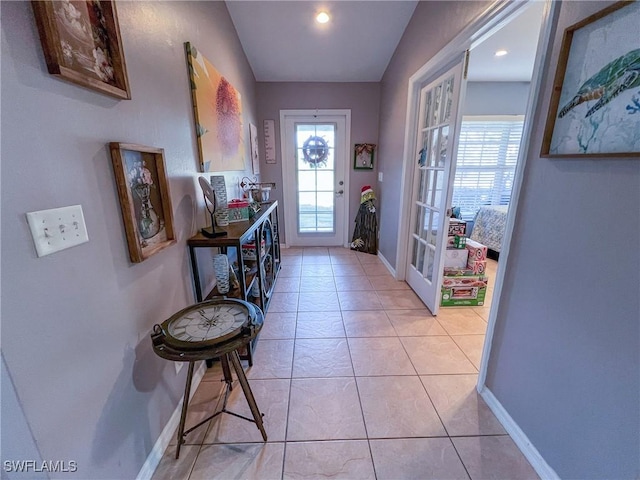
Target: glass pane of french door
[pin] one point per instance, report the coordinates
(315, 177)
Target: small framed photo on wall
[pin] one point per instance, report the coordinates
(363, 156)
(145, 202)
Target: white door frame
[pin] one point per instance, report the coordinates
(480, 28)
(289, 223)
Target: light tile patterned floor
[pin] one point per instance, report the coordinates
(356, 379)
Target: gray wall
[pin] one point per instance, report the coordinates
(362, 98)
(565, 361)
(431, 27)
(496, 98)
(76, 324)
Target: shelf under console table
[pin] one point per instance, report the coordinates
(256, 269)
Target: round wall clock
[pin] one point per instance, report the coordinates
(207, 324)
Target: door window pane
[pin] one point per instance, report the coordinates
(414, 254)
(434, 148)
(425, 226)
(437, 102)
(433, 228)
(420, 259)
(438, 181)
(428, 101)
(307, 181)
(444, 144)
(448, 100)
(307, 202)
(325, 180)
(431, 255)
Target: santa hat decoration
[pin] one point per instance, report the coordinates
(367, 194)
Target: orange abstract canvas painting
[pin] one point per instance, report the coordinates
(218, 116)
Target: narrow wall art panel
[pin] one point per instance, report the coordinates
(217, 109)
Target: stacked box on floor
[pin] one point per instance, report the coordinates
(456, 237)
(456, 254)
(466, 285)
(477, 258)
(460, 287)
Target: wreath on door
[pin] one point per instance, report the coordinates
(315, 151)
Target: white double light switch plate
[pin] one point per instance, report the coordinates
(58, 228)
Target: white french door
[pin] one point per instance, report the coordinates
(315, 175)
(433, 172)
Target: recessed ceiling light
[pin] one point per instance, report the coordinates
(501, 53)
(322, 17)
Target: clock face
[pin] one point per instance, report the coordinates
(213, 323)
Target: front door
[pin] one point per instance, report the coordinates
(433, 173)
(314, 146)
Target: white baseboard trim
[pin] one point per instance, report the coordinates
(536, 460)
(386, 263)
(154, 457)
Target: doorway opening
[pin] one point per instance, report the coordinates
(493, 117)
(477, 34)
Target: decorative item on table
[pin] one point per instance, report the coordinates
(365, 234)
(217, 110)
(221, 271)
(145, 201)
(595, 106)
(238, 210)
(255, 289)
(209, 198)
(81, 44)
(259, 192)
(249, 250)
(220, 189)
(363, 156)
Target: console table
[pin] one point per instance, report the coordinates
(256, 268)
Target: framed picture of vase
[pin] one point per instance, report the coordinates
(81, 44)
(595, 105)
(144, 196)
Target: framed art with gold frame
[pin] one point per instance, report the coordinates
(81, 43)
(144, 196)
(595, 105)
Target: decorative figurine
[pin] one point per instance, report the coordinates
(365, 235)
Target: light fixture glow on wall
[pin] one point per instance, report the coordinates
(322, 17)
(501, 53)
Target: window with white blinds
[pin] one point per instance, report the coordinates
(487, 155)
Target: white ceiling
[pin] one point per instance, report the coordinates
(520, 38)
(283, 42)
